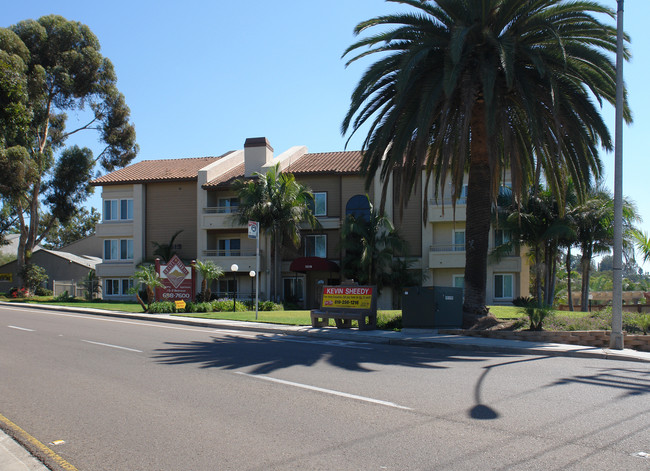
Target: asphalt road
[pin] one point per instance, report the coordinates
(133, 395)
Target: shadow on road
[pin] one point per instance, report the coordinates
(631, 381)
(269, 353)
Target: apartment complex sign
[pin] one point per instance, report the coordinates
(351, 297)
(177, 279)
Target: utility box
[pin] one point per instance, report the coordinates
(437, 307)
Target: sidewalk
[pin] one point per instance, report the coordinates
(14, 458)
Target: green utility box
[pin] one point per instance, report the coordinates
(438, 307)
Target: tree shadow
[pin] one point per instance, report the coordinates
(266, 354)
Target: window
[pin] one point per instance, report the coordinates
(227, 287)
(126, 210)
(359, 207)
(459, 240)
(293, 289)
(117, 286)
(462, 198)
(458, 281)
(503, 286)
(316, 246)
(229, 247)
(501, 237)
(228, 205)
(118, 210)
(319, 207)
(118, 249)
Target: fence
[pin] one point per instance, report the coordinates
(74, 288)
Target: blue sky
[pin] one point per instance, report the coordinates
(202, 76)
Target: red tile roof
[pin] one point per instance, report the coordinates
(166, 170)
(348, 162)
(309, 164)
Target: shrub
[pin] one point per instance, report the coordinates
(643, 322)
(536, 314)
(202, 307)
(389, 321)
(33, 275)
(64, 297)
(270, 306)
(40, 291)
(18, 292)
(161, 307)
(524, 301)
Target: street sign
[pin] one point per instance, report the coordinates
(253, 229)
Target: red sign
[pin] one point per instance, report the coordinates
(177, 279)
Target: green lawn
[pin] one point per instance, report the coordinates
(385, 319)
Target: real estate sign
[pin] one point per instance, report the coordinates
(178, 281)
(349, 297)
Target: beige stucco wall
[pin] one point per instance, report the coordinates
(169, 208)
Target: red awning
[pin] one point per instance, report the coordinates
(305, 264)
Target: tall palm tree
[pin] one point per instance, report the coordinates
(281, 205)
(483, 86)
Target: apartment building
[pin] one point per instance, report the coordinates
(150, 201)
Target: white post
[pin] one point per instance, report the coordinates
(616, 339)
(257, 271)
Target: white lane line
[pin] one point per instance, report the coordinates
(326, 391)
(132, 322)
(20, 328)
(112, 346)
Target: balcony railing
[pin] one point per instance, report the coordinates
(447, 248)
(447, 201)
(220, 210)
(230, 253)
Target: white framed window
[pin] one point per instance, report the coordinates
(462, 198)
(316, 246)
(229, 247)
(320, 204)
(458, 281)
(503, 286)
(117, 286)
(227, 287)
(115, 210)
(118, 249)
(459, 240)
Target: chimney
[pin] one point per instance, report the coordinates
(257, 152)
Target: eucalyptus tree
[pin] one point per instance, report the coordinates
(481, 86)
(281, 205)
(48, 68)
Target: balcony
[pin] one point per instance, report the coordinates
(115, 229)
(436, 210)
(218, 217)
(447, 256)
(225, 258)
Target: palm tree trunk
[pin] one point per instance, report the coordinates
(568, 278)
(478, 219)
(585, 261)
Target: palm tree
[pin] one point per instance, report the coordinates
(371, 245)
(594, 221)
(642, 242)
(146, 275)
(166, 251)
(483, 86)
(209, 272)
(281, 205)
